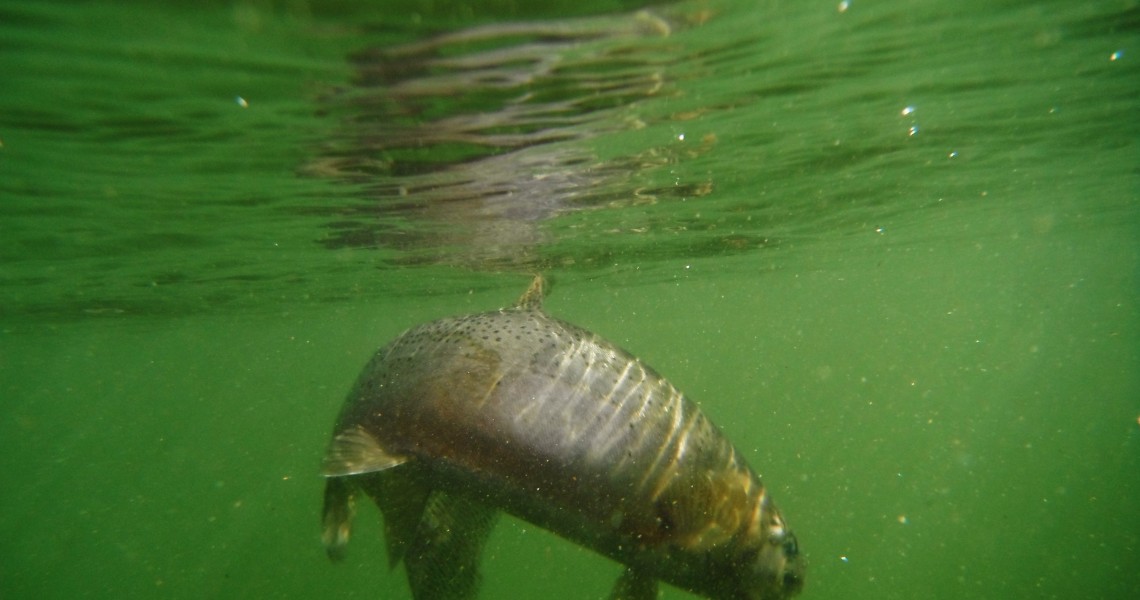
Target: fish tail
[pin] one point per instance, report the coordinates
(337, 516)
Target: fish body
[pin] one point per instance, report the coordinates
(517, 411)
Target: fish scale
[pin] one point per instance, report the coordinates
(516, 411)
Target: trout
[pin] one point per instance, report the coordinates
(515, 411)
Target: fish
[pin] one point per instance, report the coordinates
(514, 411)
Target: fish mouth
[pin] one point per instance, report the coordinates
(792, 578)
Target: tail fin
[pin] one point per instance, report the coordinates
(340, 501)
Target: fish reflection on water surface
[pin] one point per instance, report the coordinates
(461, 146)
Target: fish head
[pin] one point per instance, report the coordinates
(769, 566)
(776, 569)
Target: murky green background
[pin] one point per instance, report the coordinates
(893, 248)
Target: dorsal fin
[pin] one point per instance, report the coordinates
(532, 297)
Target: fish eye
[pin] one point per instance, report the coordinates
(791, 548)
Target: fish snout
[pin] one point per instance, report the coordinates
(778, 568)
(793, 569)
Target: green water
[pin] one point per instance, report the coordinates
(893, 251)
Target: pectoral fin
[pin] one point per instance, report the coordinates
(355, 451)
(634, 585)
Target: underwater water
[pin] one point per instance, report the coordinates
(891, 248)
